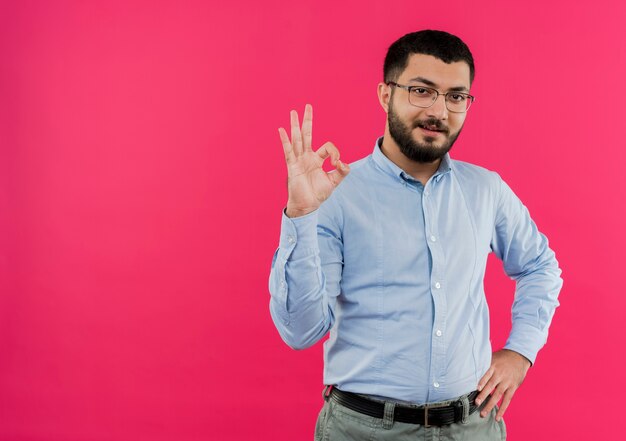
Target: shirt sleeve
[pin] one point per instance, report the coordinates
(305, 278)
(529, 261)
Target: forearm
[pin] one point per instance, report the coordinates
(299, 302)
(528, 260)
(536, 299)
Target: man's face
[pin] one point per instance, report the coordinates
(427, 134)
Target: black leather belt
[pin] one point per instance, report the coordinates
(427, 415)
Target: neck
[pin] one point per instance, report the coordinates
(422, 171)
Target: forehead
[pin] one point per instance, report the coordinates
(444, 75)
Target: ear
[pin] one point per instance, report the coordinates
(384, 95)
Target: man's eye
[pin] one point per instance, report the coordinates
(457, 98)
(421, 91)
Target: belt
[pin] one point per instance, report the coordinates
(427, 415)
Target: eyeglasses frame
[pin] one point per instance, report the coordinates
(445, 96)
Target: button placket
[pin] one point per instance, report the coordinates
(438, 280)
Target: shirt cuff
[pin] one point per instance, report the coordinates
(298, 235)
(526, 340)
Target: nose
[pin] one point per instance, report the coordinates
(438, 109)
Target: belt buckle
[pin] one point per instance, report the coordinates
(430, 406)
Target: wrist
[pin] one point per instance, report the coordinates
(297, 212)
(522, 357)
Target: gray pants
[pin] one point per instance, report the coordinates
(338, 423)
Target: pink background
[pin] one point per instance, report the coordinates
(142, 181)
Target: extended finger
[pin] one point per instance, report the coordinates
(287, 148)
(296, 136)
(506, 400)
(307, 127)
(487, 391)
(482, 386)
(493, 400)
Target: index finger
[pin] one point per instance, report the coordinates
(481, 386)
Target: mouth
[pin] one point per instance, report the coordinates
(430, 129)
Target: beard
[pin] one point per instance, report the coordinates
(423, 152)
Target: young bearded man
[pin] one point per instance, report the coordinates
(389, 255)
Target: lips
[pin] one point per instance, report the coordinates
(430, 128)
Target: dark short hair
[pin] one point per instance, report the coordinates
(447, 47)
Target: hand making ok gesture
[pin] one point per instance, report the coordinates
(307, 183)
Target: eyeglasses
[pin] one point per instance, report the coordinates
(420, 96)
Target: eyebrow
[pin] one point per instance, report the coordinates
(432, 84)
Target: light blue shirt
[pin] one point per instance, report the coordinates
(395, 270)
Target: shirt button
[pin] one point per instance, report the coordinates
(282, 283)
(438, 333)
(437, 285)
(433, 238)
(436, 384)
(291, 239)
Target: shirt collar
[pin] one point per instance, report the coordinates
(392, 169)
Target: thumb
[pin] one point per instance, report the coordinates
(337, 175)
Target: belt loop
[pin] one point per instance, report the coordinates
(327, 391)
(466, 406)
(388, 416)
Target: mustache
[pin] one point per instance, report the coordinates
(431, 122)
